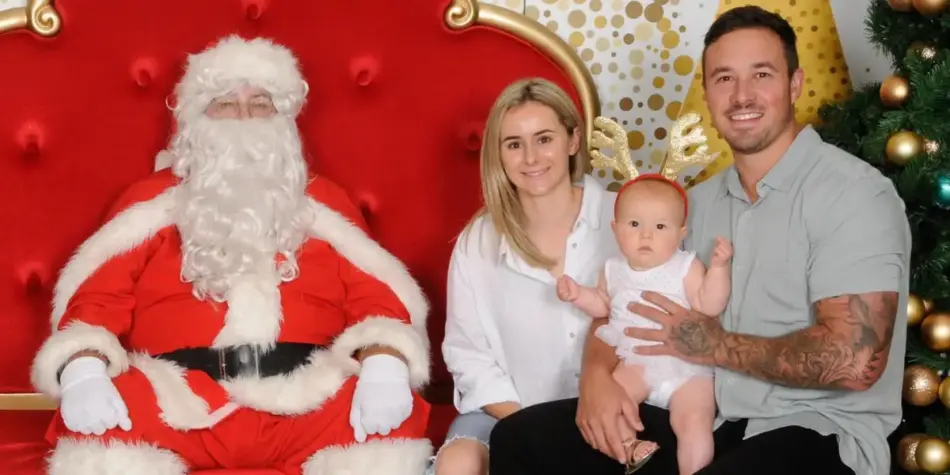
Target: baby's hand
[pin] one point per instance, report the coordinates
(567, 289)
(721, 254)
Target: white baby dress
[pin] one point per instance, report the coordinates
(663, 374)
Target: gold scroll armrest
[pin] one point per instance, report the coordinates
(26, 402)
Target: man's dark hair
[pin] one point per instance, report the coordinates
(746, 17)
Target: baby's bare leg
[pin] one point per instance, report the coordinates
(692, 414)
(630, 378)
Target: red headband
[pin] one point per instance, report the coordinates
(655, 177)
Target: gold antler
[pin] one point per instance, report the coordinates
(676, 157)
(613, 137)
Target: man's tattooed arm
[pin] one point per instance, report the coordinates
(847, 348)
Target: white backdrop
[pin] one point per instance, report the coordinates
(643, 55)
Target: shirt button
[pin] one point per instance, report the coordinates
(577, 375)
(574, 245)
(572, 334)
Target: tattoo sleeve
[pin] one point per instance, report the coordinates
(847, 347)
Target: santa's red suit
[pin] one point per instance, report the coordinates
(122, 296)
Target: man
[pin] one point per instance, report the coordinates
(808, 355)
(232, 312)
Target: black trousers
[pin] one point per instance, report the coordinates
(544, 439)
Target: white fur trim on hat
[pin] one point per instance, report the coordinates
(233, 62)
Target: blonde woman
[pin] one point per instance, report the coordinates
(509, 342)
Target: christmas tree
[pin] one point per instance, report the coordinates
(901, 125)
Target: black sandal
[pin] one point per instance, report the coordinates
(631, 446)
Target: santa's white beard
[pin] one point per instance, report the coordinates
(242, 201)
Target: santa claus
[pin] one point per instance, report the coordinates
(232, 312)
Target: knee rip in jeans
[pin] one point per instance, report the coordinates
(453, 439)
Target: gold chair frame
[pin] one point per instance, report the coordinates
(38, 16)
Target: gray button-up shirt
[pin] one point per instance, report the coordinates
(825, 224)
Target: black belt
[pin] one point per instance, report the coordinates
(244, 360)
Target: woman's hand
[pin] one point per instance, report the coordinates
(602, 405)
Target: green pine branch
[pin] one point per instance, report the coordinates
(938, 424)
(862, 126)
(893, 32)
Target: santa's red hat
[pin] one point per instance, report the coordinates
(234, 61)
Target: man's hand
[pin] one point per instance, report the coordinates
(721, 253)
(383, 397)
(567, 289)
(90, 403)
(847, 347)
(685, 334)
(602, 405)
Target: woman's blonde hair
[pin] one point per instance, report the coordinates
(499, 195)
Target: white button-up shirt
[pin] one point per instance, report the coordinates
(507, 335)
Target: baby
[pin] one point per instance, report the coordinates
(649, 224)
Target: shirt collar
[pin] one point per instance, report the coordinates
(592, 203)
(782, 175)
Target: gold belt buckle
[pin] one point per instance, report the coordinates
(222, 362)
(248, 360)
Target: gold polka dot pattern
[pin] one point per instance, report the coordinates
(641, 56)
(820, 56)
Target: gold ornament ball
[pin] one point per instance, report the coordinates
(903, 146)
(943, 392)
(920, 385)
(907, 452)
(916, 310)
(935, 331)
(928, 306)
(933, 455)
(894, 91)
(930, 7)
(901, 5)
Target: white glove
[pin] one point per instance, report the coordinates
(90, 403)
(383, 398)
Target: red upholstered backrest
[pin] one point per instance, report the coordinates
(394, 115)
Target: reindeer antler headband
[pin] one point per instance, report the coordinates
(611, 135)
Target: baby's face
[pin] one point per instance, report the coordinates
(650, 223)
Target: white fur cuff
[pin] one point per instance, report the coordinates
(63, 344)
(392, 333)
(375, 457)
(98, 457)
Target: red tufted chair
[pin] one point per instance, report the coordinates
(399, 93)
